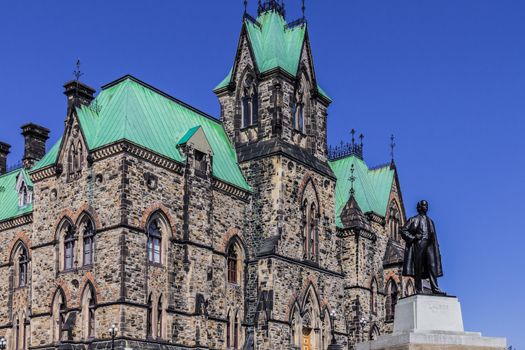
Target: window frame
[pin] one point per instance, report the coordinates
(69, 246)
(154, 244)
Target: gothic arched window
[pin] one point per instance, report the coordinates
(159, 317)
(59, 314)
(149, 317)
(232, 265)
(25, 192)
(228, 331)
(394, 221)
(71, 156)
(236, 329)
(22, 257)
(79, 157)
(373, 297)
(234, 262)
(298, 111)
(69, 248)
(88, 311)
(391, 299)
(88, 238)
(250, 102)
(154, 241)
(310, 232)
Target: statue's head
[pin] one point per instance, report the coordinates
(422, 207)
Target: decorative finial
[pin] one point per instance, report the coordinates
(392, 146)
(245, 6)
(303, 8)
(77, 73)
(361, 137)
(352, 180)
(353, 136)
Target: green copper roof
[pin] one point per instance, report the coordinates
(372, 186)
(9, 197)
(274, 45)
(50, 158)
(131, 110)
(188, 135)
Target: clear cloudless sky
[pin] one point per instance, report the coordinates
(446, 77)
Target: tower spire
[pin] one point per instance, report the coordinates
(352, 180)
(392, 147)
(272, 5)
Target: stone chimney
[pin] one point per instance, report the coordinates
(35, 143)
(78, 94)
(4, 151)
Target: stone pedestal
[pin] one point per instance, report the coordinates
(431, 322)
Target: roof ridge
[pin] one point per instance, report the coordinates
(160, 92)
(11, 172)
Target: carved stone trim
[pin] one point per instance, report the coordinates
(230, 189)
(375, 218)
(350, 232)
(16, 222)
(43, 173)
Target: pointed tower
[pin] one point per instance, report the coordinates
(270, 99)
(275, 115)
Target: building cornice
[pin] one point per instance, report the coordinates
(131, 148)
(16, 222)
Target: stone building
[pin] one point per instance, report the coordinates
(186, 231)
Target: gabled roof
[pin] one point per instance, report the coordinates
(9, 208)
(129, 109)
(372, 186)
(274, 45)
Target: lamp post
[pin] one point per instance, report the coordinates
(3, 343)
(113, 333)
(333, 317)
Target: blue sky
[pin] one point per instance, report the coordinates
(446, 77)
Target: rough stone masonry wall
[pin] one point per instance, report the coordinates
(55, 198)
(13, 300)
(203, 221)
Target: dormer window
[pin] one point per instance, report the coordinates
(25, 193)
(250, 102)
(201, 165)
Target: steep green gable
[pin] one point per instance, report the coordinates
(131, 110)
(372, 186)
(274, 45)
(9, 208)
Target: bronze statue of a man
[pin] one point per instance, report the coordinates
(422, 256)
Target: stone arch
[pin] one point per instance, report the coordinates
(89, 280)
(20, 238)
(86, 230)
(311, 214)
(88, 302)
(159, 209)
(235, 261)
(62, 222)
(394, 220)
(295, 321)
(374, 332)
(59, 307)
(392, 295)
(159, 232)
